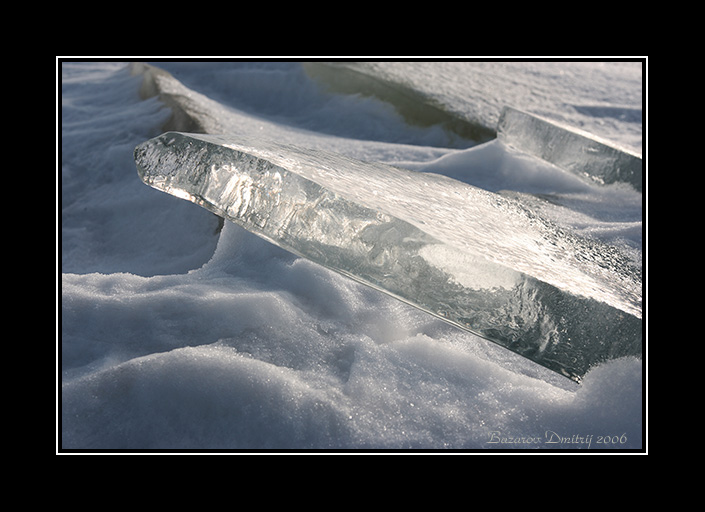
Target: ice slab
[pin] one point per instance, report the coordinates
(578, 152)
(475, 259)
(415, 105)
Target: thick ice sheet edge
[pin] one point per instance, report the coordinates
(395, 231)
(578, 152)
(416, 107)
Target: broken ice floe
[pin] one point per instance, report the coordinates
(478, 260)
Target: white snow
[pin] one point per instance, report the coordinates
(178, 334)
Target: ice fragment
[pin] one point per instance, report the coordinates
(578, 152)
(478, 260)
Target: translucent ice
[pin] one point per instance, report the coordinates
(479, 261)
(569, 149)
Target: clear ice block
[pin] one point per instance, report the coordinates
(475, 259)
(580, 153)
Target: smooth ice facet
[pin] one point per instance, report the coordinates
(479, 261)
(580, 153)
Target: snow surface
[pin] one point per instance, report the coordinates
(180, 333)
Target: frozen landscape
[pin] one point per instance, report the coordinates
(180, 331)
